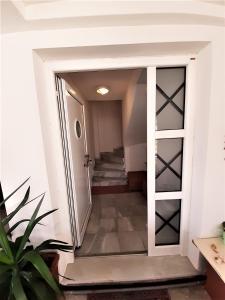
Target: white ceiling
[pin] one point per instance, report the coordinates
(87, 82)
(28, 15)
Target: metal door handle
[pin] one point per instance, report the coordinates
(88, 160)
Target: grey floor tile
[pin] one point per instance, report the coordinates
(88, 242)
(130, 241)
(93, 225)
(139, 223)
(108, 224)
(108, 212)
(110, 243)
(111, 215)
(189, 293)
(124, 224)
(144, 237)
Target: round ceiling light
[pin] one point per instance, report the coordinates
(102, 90)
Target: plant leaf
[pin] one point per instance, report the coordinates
(41, 289)
(17, 288)
(4, 268)
(53, 244)
(1, 194)
(4, 258)
(42, 268)
(16, 225)
(18, 208)
(29, 229)
(4, 243)
(10, 195)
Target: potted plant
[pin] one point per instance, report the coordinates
(24, 274)
(223, 232)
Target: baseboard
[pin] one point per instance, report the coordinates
(112, 189)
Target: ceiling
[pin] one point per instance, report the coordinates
(86, 82)
(29, 15)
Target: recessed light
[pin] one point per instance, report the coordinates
(102, 90)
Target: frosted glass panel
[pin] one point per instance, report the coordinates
(169, 165)
(170, 98)
(167, 222)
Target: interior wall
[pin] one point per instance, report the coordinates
(135, 124)
(107, 125)
(136, 157)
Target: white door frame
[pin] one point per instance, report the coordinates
(151, 63)
(152, 136)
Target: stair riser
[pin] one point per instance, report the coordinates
(109, 183)
(109, 174)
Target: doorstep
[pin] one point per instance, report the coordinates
(127, 269)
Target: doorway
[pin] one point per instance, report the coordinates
(112, 207)
(117, 222)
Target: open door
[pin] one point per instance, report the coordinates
(76, 159)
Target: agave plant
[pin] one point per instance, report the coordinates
(24, 274)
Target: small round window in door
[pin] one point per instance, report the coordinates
(78, 129)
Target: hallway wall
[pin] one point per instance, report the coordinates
(107, 125)
(135, 124)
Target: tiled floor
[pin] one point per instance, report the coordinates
(117, 225)
(187, 293)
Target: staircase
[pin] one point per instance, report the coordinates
(109, 169)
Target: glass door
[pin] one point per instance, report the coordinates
(166, 146)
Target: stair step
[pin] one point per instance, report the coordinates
(130, 269)
(111, 157)
(104, 181)
(102, 165)
(119, 152)
(110, 173)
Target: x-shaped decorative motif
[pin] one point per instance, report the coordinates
(170, 99)
(167, 221)
(167, 165)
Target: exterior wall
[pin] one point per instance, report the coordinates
(107, 125)
(31, 139)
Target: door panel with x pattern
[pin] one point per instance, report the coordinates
(170, 94)
(167, 221)
(169, 165)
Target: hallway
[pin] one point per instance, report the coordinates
(117, 225)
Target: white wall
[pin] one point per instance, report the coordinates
(135, 124)
(31, 139)
(107, 125)
(208, 193)
(136, 157)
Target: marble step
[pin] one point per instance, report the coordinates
(111, 157)
(110, 173)
(103, 181)
(102, 165)
(119, 152)
(129, 269)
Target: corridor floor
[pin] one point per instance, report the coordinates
(117, 225)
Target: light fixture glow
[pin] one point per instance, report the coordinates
(102, 90)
